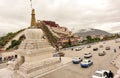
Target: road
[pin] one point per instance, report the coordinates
(71, 70)
(100, 62)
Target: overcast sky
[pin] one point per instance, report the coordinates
(73, 14)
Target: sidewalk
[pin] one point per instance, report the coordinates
(5, 73)
(64, 62)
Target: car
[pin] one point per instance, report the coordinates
(59, 54)
(104, 42)
(78, 48)
(76, 60)
(87, 55)
(107, 48)
(100, 74)
(117, 41)
(101, 46)
(89, 46)
(86, 63)
(95, 49)
(102, 53)
(10, 62)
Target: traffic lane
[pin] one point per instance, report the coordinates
(70, 71)
(74, 70)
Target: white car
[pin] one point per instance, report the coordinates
(102, 53)
(78, 48)
(88, 46)
(10, 62)
(87, 55)
(76, 60)
(100, 74)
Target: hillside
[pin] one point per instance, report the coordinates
(5, 41)
(86, 32)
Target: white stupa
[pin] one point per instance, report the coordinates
(35, 54)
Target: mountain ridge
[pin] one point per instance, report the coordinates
(91, 31)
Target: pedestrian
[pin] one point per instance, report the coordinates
(110, 74)
(60, 58)
(119, 47)
(115, 50)
(72, 49)
(106, 74)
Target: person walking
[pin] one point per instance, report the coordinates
(110, 74)
(119, 47)
(114, 50)
(60, 58)
(72, 49)
(106, 74)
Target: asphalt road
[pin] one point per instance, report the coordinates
(99, 63)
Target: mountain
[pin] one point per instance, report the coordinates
(91, 31)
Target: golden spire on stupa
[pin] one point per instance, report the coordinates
(33, 19)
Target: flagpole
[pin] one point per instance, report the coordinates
(31, 4)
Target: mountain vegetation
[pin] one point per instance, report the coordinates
(5, 39)
(51, 38)
(16, 43)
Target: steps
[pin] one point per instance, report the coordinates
(116, 61)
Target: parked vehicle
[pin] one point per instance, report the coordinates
(87, 55)
(95, 49)
(86, 63)
(102, 53)
(107, 48)
(10, 62)
(76, 60)
(100, 74)
(59, 54)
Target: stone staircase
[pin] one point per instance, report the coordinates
(28, 70)
(45, 66)
(116, 60)
(33, 44)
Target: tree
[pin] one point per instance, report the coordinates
(89, 39)
(22, 37)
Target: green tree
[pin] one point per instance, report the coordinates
(89, 39)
